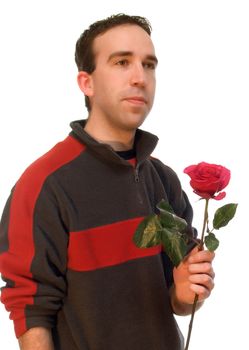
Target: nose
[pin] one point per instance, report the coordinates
(137, 77)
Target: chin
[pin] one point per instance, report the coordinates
(132, 126)
(134, 122)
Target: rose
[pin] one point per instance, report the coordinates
(208, 179)
(168, 229)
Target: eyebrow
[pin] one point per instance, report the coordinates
(130, 53)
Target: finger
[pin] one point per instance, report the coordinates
(203, 280)
(201, 256)
(202, 292)
(202, 268)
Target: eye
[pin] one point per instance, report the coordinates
(122, 62)
(149, 65)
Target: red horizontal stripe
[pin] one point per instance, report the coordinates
(105, 246)
(16, 263)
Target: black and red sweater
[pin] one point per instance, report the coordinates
(66, 249)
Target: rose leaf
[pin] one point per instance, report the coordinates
(164, 206)
(174, 244)
(211, 242)
(223, 215)
(168, 219)
(148, 232)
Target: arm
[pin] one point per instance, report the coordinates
(194, 275)
(37, 338)
(33, 255)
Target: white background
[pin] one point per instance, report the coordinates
(200, 114)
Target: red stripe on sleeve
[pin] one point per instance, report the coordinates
(106, 246)
(16, 263)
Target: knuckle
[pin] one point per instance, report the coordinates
(207, 267)
(206, 279)
(207, 282)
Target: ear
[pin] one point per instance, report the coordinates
(85, 83)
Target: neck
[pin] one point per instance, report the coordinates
(119, 140)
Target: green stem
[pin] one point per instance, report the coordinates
(191, 322)
(205, 221)
(200, 247)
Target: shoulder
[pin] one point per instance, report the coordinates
(166, 173)
(35, 175)
(176, 196)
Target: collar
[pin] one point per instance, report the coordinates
(145, 143)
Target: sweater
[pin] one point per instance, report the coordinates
(66, 249)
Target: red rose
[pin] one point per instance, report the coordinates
(208, 179)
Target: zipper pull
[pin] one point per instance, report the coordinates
(136, 174)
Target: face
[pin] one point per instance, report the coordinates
(123, 83)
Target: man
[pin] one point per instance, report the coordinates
(74, 279)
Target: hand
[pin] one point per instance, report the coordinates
(37, 338)
(194, 275)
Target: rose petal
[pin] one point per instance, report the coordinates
(208, 179)
(203, 195)
(220, 196)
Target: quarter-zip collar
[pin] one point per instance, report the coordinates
(145, 143)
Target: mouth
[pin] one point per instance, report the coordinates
(136, 100)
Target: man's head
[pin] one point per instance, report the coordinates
(84, 53)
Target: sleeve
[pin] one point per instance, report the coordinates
(33, 255)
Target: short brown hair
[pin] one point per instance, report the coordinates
(84, 56)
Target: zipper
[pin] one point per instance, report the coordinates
(137, 186)
(136, 174)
